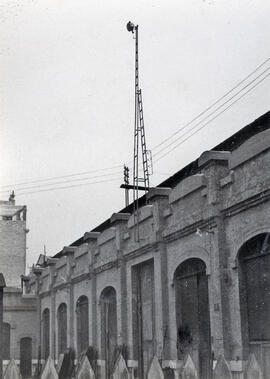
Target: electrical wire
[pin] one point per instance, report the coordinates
(211, 106)
(60, 177)
(212, 119)
(160, 144)
(62, 182)
(213, 112)
(65, 187)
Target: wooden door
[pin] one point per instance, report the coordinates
(109, 328)
(26, 357)
(192, 315)
(143, 316)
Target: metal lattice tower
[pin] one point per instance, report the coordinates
(140, 182)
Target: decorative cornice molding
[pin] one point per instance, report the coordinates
(55, 288)
(180, 233)
(141, 250)
(119, 217)
(91, 236)
(250, 202)
(68, 250)
(210, 156)
(44, 294)
(20, 308)
(106, 266)
(158, 192)
(80, 277)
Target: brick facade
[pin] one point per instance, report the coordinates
(12, 242)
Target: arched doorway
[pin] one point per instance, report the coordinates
(26, 357)
(192, 314)
(254, 291)
(46, 333)
(108, 327)
(62, 327)
(82, 313)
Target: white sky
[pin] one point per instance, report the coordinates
(66, 97)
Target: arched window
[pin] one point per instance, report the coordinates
(26, 357)
(46, 333)
(82, 324)
(192, 314)
(62, 327)
(6, 341)
(254, 291)
(108, 327)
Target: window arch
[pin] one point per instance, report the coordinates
(254, 292)
(62, 327)
(6, 340)
(82, 316)
(46, 333)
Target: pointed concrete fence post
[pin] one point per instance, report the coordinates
(60, 362)
(12, 371)
(85, 370)
(49, 371)
(65, 365)
(253, 370)
(155, 370)
(189, 370)
(120, 369)
(222, 369)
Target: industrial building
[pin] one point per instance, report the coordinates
(188, 274)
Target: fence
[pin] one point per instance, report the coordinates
(67, 369)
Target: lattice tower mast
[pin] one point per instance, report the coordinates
(139, 182)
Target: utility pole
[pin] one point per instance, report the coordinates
(126, 182)
(2, 286)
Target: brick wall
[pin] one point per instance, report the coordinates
(13, 250)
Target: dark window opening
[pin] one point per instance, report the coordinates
(82, 313)
(46, 333)
(62, 328)
(254, 258)
(254, 292)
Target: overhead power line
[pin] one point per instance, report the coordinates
(13, 186)
(60, 177)
(213, 112)
(62, 182)
(65, 187)
(212, 105)
(212, 119)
